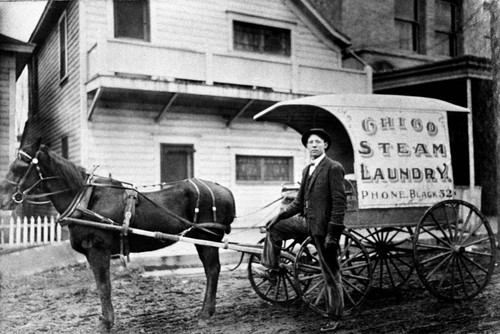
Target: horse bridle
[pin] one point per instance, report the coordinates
(20, 196)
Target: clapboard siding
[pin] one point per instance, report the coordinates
(58, 111)
(7, 67)
(4, 115)
(96, 22)
(126, 144)
(204, 25)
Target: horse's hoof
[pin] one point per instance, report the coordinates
(202, 323)
(206, 313)
(104, 326)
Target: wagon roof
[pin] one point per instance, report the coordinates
(356, 102)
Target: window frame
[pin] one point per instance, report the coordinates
(260, 30)
(33, 83)
(63, 47)
(65, 146)
(264, 21)
(146, 17)
(415, 25)
(262, 180)
(452, 34)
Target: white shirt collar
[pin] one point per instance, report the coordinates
(316, 161)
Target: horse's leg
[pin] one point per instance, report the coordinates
(209, 256)
(99, 260)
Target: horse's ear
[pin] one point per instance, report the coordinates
(44, 148)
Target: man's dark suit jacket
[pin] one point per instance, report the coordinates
(321, 199)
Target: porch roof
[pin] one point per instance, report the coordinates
(447, 70)
(160, 97)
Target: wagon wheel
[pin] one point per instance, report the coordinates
(454, 250)
(284, 291)
(391, 254)
(355, 269)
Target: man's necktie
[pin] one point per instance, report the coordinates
(312, 166)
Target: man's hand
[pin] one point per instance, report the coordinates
(273, 221)
(333, 236)
(331, 244)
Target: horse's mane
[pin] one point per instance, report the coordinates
(72, 174)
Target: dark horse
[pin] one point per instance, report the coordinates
(169, 210)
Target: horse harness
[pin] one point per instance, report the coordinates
(131, 197)
(20, 196)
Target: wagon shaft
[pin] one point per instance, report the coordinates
(254, 249)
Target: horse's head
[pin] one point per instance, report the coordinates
(33, 164)
(21, 174)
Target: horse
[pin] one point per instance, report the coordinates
(172, 210)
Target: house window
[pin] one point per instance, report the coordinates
(445, 29)
(176, 162)
(132, 19)
(261, 39)
(65, 147)
(264, 169)
(33, 81)
(63, 47)
(407, 25)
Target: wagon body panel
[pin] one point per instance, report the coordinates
(399, 147)
(367, 218)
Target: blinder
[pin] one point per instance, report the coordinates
(20, 195)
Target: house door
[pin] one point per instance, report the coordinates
(176, 162)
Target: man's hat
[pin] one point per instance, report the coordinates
(320, 133)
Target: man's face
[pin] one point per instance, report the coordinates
(316, 146)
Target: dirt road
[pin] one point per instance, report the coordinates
(66, 301)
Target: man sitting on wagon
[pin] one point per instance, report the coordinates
(322, 201)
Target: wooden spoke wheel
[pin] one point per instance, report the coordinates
(391, 254)
(355, 269)
(283, 291)
(454, 250)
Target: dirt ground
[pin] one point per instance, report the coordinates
(66, 301)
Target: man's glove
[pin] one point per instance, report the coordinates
(331, 245)
(333, 236)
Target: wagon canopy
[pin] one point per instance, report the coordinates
(397, 147)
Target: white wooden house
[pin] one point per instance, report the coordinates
(13, 57)
(154, 90)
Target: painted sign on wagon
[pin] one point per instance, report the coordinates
(402, 159)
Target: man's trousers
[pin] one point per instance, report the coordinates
(296, 228)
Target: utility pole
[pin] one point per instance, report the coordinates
(494, 9)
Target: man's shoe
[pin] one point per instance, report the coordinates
(270, 275)
(330, 326)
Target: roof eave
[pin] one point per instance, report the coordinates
(20, 49)
(325, 27)
(50, 15)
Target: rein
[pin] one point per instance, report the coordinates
(20, 196)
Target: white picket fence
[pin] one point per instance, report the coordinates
(29, 231)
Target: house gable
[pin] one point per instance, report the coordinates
(55, 105)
